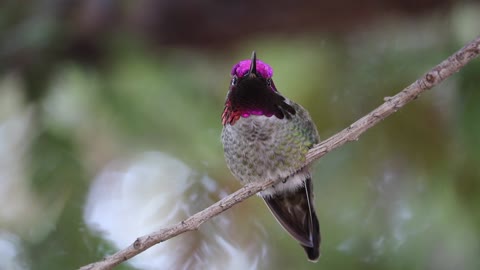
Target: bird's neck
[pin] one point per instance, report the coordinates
(250, 101)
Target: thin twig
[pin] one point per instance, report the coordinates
(432, 78)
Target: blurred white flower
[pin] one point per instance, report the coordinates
(11, 252)
(131, 199)
(14, 189)
(22, 206)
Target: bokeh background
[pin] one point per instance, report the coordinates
(110, 129)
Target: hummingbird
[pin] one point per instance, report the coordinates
(266, 136)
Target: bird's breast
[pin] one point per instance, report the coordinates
(258, 148)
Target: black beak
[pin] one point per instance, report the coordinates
(253, 64)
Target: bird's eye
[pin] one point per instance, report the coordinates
(269, 82)
(234, 80)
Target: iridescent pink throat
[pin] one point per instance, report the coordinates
(231, 117)
(239, 70)
(255, 112)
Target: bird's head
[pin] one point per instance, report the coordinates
(252, 92)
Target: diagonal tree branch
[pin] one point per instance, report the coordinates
(432, 78)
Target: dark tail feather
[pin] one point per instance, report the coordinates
(314, 252)
(295, 211)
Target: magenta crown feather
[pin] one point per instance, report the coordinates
(242, 67)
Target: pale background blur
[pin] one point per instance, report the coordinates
(110, 129)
